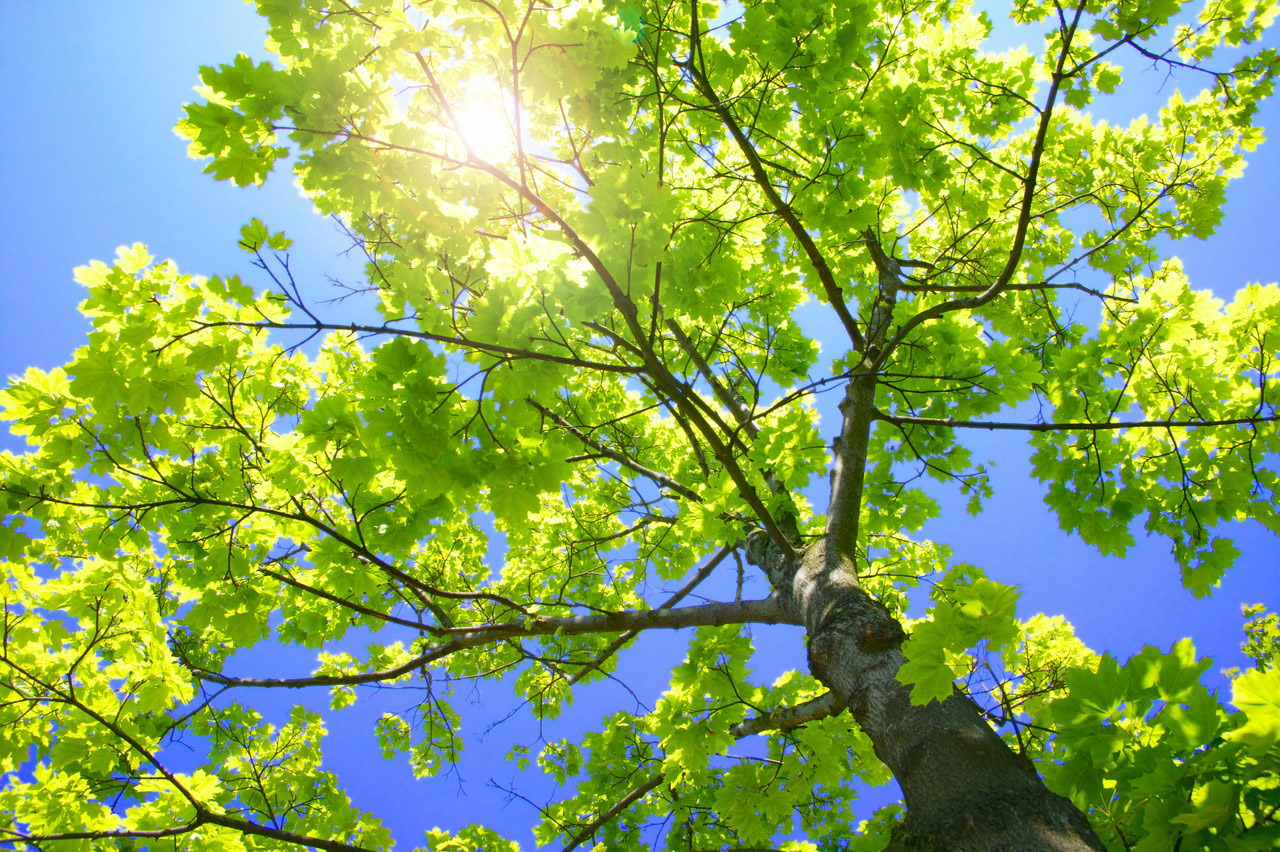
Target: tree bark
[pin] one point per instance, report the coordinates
(965, 789)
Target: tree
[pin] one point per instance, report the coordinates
(590, 232)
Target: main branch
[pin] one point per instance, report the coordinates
(767, 611)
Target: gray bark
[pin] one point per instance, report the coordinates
(965, 789)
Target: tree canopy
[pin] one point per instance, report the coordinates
(669, 308)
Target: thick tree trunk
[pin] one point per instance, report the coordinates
(965, 789)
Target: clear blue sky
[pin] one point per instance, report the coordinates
(88, 161)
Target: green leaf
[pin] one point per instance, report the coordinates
(253, 235)
(1257, 695)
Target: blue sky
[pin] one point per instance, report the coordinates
(88, 161)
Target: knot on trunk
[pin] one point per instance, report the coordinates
(851, 634)
(763, 552)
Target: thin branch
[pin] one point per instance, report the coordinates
(738, 407)
(622, 459)
(1035, 287)
(1024, 213)
(247, 827)
(947, 422)
(390, 331)
(784, 719)
(664, 382)
(202, 813)
(343, 602)
(617, 808)
(728, 398)
(829, 284)
(10, 836)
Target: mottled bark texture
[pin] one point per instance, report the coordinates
(965, 789)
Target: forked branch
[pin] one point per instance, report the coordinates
(694, 66)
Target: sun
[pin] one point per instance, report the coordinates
(484, 123)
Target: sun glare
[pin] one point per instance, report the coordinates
(485, 125)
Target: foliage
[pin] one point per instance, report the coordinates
(1262, 632)
(595, 343)
(1148, 750)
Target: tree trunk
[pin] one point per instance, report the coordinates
(965, 789)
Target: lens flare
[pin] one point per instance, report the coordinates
(485, 124)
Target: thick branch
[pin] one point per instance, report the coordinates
(813, 710)
(653, 364)
(848, 469)
(680, 594)
(767, 611)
